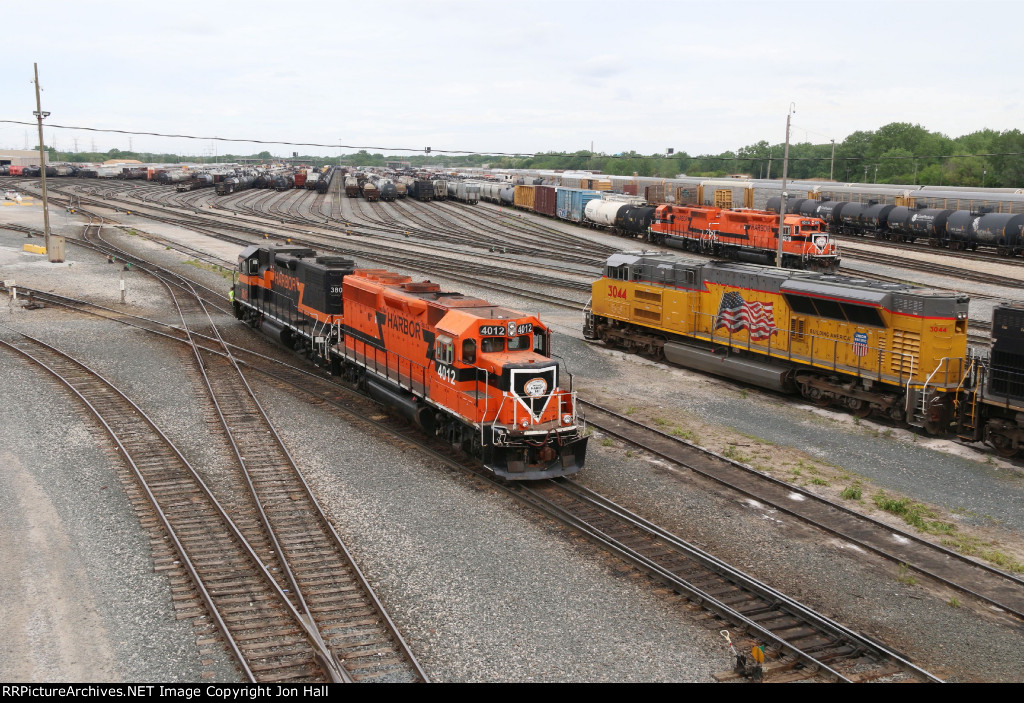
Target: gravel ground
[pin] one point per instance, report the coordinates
(483, 590)
(77, 575)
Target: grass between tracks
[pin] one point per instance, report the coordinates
(213, 268)
(924, 519)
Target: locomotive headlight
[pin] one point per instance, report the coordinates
(525, 422)
(566, 419)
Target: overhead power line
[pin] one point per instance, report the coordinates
(518, 154)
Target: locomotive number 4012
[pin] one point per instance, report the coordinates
(501, 331)
(447, 373)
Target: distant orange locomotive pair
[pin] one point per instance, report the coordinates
(746, 235)
(477, 374)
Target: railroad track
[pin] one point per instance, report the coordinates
(963, 254)
(232, 576)
(800, 643)
(974, 578)
(342, 615)
(933, 268)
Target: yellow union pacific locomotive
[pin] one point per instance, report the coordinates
(890, 349)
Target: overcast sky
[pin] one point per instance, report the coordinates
(506, 76)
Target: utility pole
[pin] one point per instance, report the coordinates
(42, 165)
(832, 163)
(785, 174)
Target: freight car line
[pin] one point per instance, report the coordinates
(980, 580)
(331, 590)
(551, 238)
(220, 560)
(442, 236)
(505, 218)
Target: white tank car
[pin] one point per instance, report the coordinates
(603, 212)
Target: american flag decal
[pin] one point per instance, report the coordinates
(736, 314)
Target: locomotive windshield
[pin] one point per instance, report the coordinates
(519, 343)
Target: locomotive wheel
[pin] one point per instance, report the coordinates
(860, 408)
(1003, 446)
(823, 401)
(897, 417)
(933, 428)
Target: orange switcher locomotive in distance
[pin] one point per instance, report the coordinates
(476, 374)
(746, 235)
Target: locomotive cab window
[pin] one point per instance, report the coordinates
(444, 350)
(519, 343)
(468, 351)
(490, 345)
(619, 273)
(540, 341)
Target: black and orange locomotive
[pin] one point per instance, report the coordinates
(479, 375)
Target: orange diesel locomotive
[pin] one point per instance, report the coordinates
(479, 375)
(746, 235)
